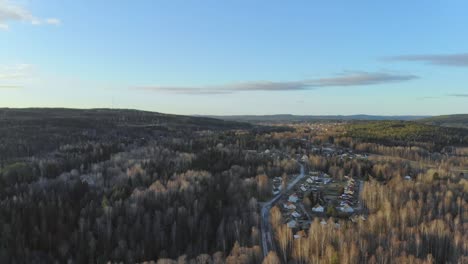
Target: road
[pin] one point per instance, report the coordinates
(268, 243)
(359, 207)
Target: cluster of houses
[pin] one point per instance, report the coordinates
(313, 182)
(342, 153)
(299, 218)
(348, 198)
(292, 211)
(351, 155)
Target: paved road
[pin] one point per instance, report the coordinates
(267, 234)
(359, 207)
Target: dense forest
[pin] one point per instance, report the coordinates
(99, 186)
(406, 133)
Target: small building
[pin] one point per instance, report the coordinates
(292, 224)
(300, 234)
(318, 209)
(346, 209)
(293, 198)
(295, 214)
(408, 178)
(289, 206)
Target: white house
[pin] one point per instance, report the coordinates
(293, 198)
(295, 214)
(346, 209)
(292, 224)
(318, 209)
(289, 206)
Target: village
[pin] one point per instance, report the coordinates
(317, 195)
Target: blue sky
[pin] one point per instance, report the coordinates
(236, 57)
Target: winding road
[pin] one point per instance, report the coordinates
(268, 243)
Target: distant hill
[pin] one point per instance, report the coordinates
(32, 131)
(311, 118)
(110, 117)
(460, 120)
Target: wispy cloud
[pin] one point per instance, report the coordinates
(458, 95)
(15, 76)
(10, 12)
(10, 86)
(345, 79)
(459, 59)
(15, 71)
(428, 97)
(53, 21)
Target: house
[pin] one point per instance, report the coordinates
(293, 198)
(295, 214)
(327, 180)
(304, 189)
(292, 224)
(346, 209)
(318, 209)
(323, 222)
(309, 180)
(408, 178)
(304, 158)
(289, 206)
(344, 203)
(300, 234)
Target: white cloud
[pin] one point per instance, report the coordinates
(11, 12)
(53, 21)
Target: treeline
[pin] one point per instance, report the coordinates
(406, 133)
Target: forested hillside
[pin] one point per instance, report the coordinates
(460, 121)
(119, 185)
(124, 186)
(407, 133)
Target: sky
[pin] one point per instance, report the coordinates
(236, 57)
